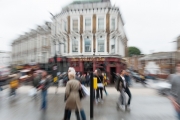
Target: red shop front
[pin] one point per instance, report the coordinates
(109, 65)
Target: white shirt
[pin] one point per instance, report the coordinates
(124, 81)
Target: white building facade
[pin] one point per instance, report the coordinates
(89, 27)
(33, 47)
(82, 27)
(5, 59)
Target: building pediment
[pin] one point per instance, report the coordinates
(74, 35)
(87, 33)
(115, 34)
(62, 35)
(100, 33)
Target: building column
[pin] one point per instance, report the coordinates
(81, 66)
(108, 68)
(94, 65)
(118, 67)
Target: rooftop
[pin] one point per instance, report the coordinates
(159, 55)
(88, 1)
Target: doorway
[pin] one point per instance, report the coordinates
(112, 74)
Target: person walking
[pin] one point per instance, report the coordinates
(87, 79)
(104, 83)
(83, 79)
(127, 79)
(175, 90)
(43, 86)
(100, 87)
(121, 85)
(73, 101)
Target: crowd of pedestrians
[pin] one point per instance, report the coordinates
(73, 81)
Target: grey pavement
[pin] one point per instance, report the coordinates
(146, 105)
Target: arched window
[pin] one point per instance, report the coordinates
(101, 44)
(75, 45)
(87, 45)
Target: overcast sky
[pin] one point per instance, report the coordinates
(150, 25)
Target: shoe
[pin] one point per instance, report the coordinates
(102, 101)
(128, 108)
(99, 100)
(122, 107)
(96, 101)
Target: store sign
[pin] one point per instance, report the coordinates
(88, 59)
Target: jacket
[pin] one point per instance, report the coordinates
(120, 83)
(73, 101)
(100, 79)
(45, 84)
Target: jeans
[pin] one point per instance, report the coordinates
(122, 97)
(97, 93)
(67, 114)
(12, 92)
(1, 89)
(129, 94)
(44, 99)
(105, 90)
(178, 115)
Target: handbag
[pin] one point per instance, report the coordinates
(81, 93)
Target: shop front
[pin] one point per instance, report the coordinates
(108, 65)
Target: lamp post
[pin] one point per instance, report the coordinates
(92, 92)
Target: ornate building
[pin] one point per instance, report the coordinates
(89, 27)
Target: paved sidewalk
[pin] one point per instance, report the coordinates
(146, 105)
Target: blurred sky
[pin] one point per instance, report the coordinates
(150, 25)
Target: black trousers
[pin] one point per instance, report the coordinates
(67, 114)
(129, 94)
(101, 92)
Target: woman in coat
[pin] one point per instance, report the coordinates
(73, 101)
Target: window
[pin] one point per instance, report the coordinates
(75, 25)
(74, 45)
(113, 23)
(65, 29)
(101, 23)
(65, 46)
(88, 24)
(44, 41)
(113, 45)
(101, 45)
(87, 45)
(60, 27)
(44, 57)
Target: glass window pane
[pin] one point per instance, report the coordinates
(100, 23)
(74, 45)
(113, 24)
(65, 46)
(88, 24)
(87, 45)
(101, 45)
(65, 25)
(75, 25)
(112, 45)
